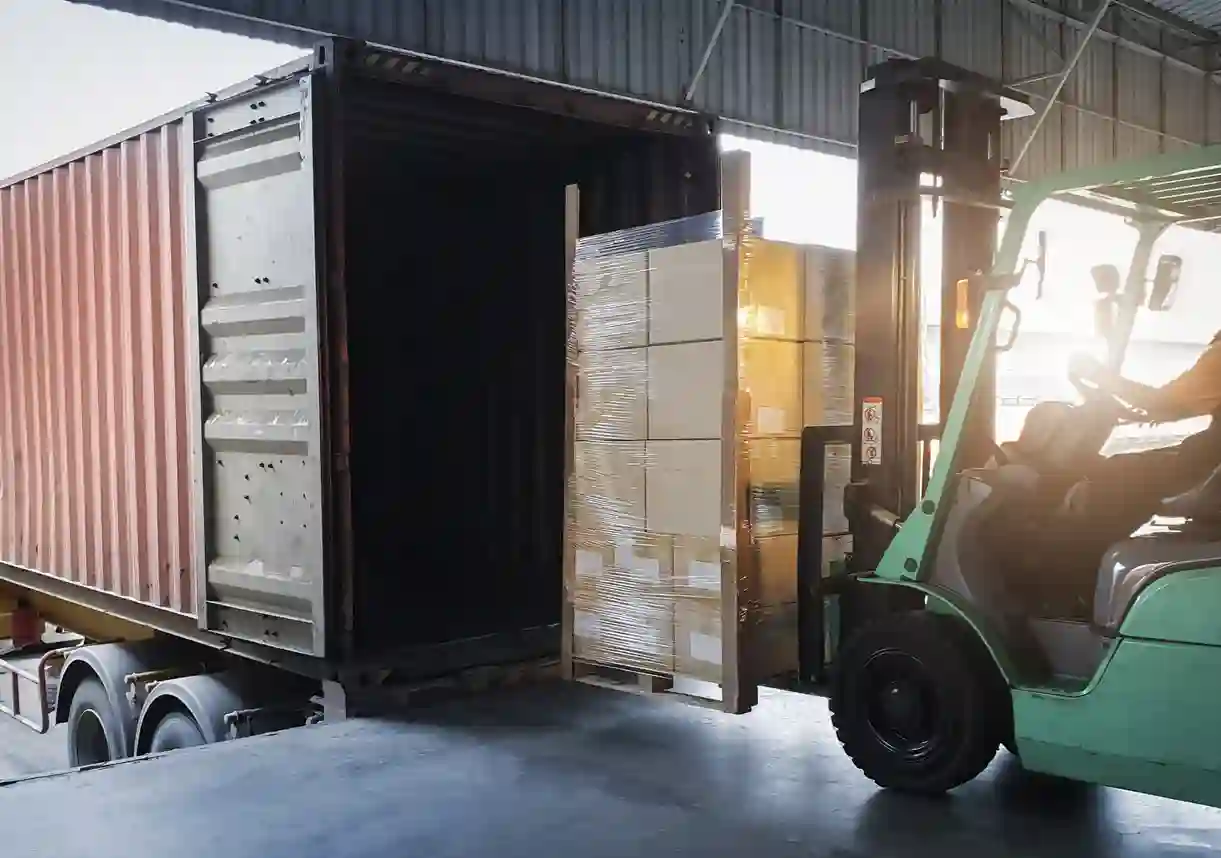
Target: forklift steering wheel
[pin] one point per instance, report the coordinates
(1094, 392)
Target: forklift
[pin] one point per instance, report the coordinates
(935, 648)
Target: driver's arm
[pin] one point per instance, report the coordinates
(1195, 393)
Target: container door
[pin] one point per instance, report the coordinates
(257, 451)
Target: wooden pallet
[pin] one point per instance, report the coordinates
(621, 679)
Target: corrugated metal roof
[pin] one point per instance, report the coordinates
(1206, 13)
(781, 67)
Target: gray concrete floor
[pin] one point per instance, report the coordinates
(24, 752)
(561, 770)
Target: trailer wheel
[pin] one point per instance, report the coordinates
(93, 728)
(918, 705)
(176, 730)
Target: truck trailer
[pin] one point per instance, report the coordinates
(283, 389)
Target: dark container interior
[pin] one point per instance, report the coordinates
(455, 284)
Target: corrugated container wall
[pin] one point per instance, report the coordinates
(94, 482)
(320, 389)
(795, 66)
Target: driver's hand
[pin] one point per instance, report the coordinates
(1085, 366)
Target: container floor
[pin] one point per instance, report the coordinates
(560, 770)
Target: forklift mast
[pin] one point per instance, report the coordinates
(927, 130)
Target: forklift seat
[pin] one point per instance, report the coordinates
(1201, 503)
(1127, 569)
(1130, 566)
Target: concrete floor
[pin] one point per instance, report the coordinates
(561, 770)
(24, 752)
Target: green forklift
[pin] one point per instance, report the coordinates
(950, 635)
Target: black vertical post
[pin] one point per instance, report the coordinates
(971, 170)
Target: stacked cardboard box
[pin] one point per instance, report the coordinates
(693, 374)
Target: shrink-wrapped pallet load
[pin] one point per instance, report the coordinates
(697, 364)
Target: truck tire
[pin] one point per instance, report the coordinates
(918, 704)
(175, 730)
(93, 729)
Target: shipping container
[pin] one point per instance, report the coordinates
(284, 372)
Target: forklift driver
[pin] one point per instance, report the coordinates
(1122, 492)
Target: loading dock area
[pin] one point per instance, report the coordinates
(558, 769)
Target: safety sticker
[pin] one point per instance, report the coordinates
(871, 430)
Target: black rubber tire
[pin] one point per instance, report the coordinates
(964, 705)
(176, 730)
(93, 728)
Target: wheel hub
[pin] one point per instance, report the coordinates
(900, 704)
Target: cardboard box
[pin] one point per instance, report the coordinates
(686, 390)
(698, 569)
(830, 294)
(608, 486)
(683, 480)
(618, 559)
(776, 558)
(632, 631)
(769, 373)
(611, 301)
(698, 650)
(686, 294)
(775, 484)
(612, 395)
(772, 649)
(770, 293)
(827, 380)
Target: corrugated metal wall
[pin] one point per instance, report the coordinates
(792, 65)
(94, 482)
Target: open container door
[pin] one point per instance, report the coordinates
(257, 440)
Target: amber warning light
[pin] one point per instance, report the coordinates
(962, 309)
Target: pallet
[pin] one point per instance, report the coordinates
(619, 678)
(636, 682)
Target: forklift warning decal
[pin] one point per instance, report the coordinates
(871, 430)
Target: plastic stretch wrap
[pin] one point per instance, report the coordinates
(693, 367)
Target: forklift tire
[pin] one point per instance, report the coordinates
(917, 703)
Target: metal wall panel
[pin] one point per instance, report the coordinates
(94, 472)
(1140, 90)
(973, 32)
(780, 65)
(1184, 104)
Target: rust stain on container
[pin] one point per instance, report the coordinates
(94, 474)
